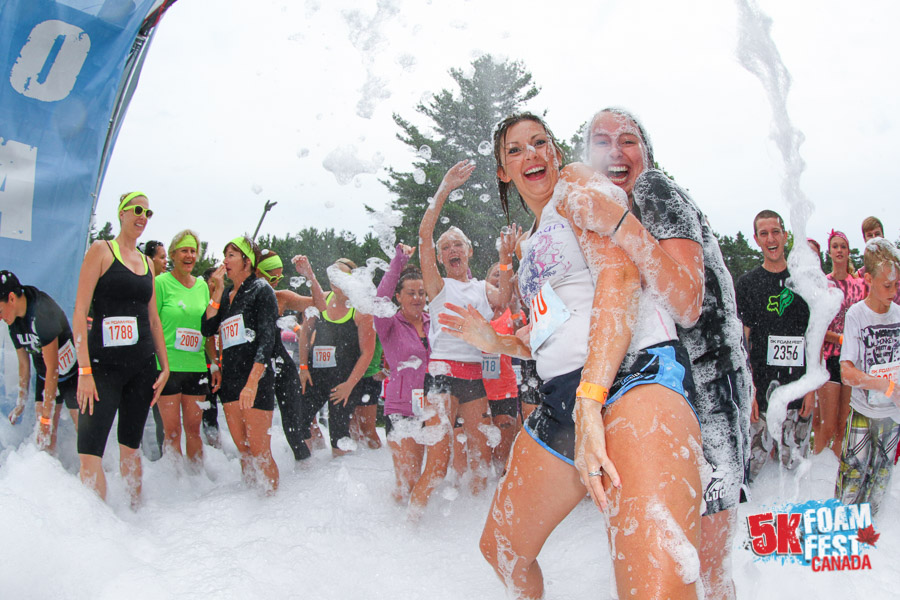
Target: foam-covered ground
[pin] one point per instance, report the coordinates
(331, 531)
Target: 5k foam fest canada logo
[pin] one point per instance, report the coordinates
(823, 534)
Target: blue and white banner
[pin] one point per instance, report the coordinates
(62, 71)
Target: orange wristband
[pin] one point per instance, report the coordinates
(841, 340)
(45, 420)
(304, 367)
(296, 328)
(595, 392)
(214, 304)
(890, 390)
(505, 267)
(85, 370)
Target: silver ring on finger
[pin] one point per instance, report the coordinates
(596, 473)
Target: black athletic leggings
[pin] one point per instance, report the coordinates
(290, 403)
(126, 390)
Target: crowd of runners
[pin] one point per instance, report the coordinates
(606, 353)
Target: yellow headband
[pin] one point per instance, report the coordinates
(244, 247)
(128, 198)
(269, 264)
(188, 241)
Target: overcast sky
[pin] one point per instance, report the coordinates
(243, 102)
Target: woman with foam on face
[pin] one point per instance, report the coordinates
(662, 235)
(117, 373)
(608, 352)
(244, 315)
(454, 385)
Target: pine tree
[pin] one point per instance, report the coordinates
(462, 127)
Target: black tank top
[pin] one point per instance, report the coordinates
(339, 337)
(120, 333)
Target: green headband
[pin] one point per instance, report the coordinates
(244, 247)
(129, 198)
(269, 264)
(187, 241)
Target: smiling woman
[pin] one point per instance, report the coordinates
(453, 385)
(116, 368)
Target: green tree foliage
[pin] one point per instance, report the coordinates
(105, 233)
(459, 123)
(739, 256)
(322, 248)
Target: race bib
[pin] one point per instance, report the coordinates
(548, 312)
(418, 402)
(120, 331)
(188, 340)
(786, 351)
(323, 357)
(67, 358)
(885, 371)
(233, 331)
(490, 366)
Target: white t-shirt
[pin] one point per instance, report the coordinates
(554, 277)
(443, 345)
(872, 344)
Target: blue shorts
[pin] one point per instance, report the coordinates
(552, 424)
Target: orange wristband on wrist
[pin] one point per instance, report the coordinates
(214, 304)
(85, 370)
(841, 341)
(304, 367)
(505, 267)
(595, 392)
(890, 390)
(45, 420)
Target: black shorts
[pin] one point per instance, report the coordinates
(765, 376)
(265, 394)
(725, 442)
(187, 383)
(530, 388)
(366, 393)
(833, 364)
(552, 424)
(464, 390)
(66, 391)
(123, 390)
(506, 406)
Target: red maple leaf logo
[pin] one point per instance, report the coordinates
(867, 535)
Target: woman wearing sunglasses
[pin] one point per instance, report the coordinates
(181, 302)
(287, 379)
(117, 373)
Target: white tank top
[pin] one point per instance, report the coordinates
(556, 280)
(443, 345)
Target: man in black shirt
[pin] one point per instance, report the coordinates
(775, 321)
(39, 327)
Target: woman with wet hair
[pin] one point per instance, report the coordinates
(609, 353)
(117, 374)
(244, 314)
(454, 387)
(833, 407)
(661, 233)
